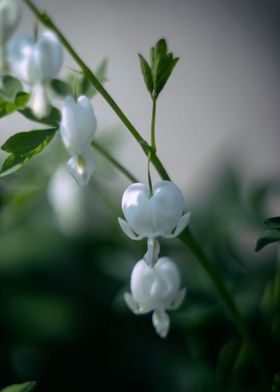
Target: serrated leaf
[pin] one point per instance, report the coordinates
(23, 146)
(268, 237)
(53, 119)
(226, 361)
(147, 73)
(25, 387)
(273, 223)
(60, 88)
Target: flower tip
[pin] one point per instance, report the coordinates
(161, 322)
(82, 167)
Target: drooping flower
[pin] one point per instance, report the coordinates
(36, 64)
(9, 18)
(67, 201)
(161, 214)
(155, 289)
(77, 128)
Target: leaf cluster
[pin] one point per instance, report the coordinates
(157, 73)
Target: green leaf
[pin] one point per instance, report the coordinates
(273, 223)
(60, 88)
(268, 237)
(7, 107)
(21, 99)
(10, 87)
(147, 74)
(226, 361)
(23, 146)
(158, 72)
(25, 387)
(53, 119)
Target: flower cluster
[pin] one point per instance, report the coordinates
(155, 282)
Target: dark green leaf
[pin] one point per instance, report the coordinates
(24, 142)
(226, 361)
(53, 119)
(60, 88)
(25, 387)
(23, 146)
(164, 75)
(273, 223)
(147, 73)
(268, 237)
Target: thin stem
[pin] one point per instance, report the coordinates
(153, 137)
(114, 162)
(46, 20)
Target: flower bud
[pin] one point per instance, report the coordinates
(77, 128)
(161, 214)
(155, 289)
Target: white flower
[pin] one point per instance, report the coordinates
(67, 201)
(161, 214)
(36, 64)
(9, 18)
(77, 128)
(155, 289)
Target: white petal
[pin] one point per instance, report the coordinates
(78, 124)
(39, 102)
(82, 166)
(127, 230)
(20, 57)
(161, 322)
(177, 301)
(131, 303)
(167, 206)
(182, 224)
(48, 56)
(136, 208)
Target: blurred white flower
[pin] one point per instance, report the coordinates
(36, 64)
(155, 289)
(9, 18)
(77, 128)
(67, 201)
(161, 214)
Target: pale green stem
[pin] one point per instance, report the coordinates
(186, 237)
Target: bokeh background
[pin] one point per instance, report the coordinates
(64, 267)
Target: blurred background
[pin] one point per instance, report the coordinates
(64, 262)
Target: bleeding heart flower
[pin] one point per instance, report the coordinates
(77, 128)
(36, 64)
(150, 216)
(155, 289)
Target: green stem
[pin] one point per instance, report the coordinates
(153, 137)
(186, 236)
(46, 20)
(114, 162)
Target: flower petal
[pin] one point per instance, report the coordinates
(82, 166)
(182, 224)
(161, 322)
(39, 102)
(177, 301)
(131, 303)
(128, 231)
